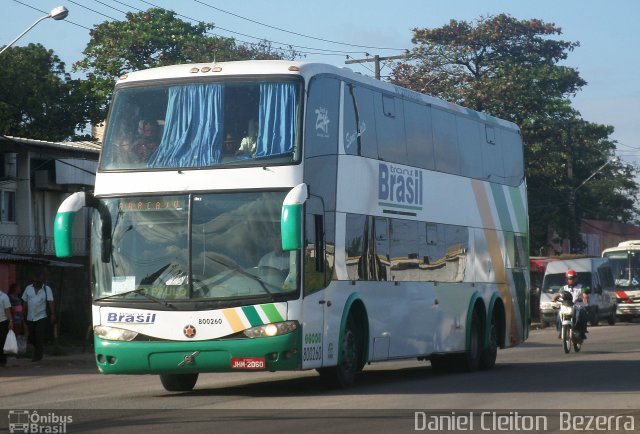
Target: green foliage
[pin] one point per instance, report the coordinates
(38, 98)
(153, 38)
(509, 68)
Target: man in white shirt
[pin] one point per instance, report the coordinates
(580, 298)
(6, 323)
(36, 296)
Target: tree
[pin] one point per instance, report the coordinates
(510, 68)
(37, 97)
(152, 38)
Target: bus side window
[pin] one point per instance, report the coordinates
(445, 136)
(356, 237)
(470, 146)
(390, 127)
(417, 123)
(314, 254)
(360, 136)
(323, 108)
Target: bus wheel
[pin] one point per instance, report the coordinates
(178, 382)
(343, 375)
(490, 353)
(471, 358)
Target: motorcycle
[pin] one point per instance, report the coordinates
(568, 335)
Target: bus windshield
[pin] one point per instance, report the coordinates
(191, 125)
(625, 267)
(198, 247)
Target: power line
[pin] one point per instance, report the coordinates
(303, 50)
(127, 5)
(296, 33)
(92, 10)
(283, 45)
(280, 45)
(111, 7)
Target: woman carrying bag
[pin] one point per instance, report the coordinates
(6, 325)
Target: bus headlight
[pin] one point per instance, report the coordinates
(114, 334)
(272, 329)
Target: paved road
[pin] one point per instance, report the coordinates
(535, 376)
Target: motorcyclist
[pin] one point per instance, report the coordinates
(580, 301)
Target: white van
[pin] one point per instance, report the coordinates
(594, 274)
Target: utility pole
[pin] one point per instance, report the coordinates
(572, 191)
(376, 59)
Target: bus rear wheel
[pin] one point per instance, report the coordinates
(470, 360)
(178, 382)
(490, 353)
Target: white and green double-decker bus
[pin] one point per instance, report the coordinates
(296, 216)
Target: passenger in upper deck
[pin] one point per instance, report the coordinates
(229, 148)
(148, 141)
(248, 143)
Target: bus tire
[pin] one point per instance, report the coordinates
(490, 352)
(470, 360)
(343, 375)
(178, 382)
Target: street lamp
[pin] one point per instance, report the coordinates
(572, 193)
(610, 160)
(58, 13)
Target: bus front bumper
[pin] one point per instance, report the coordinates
(278, 353)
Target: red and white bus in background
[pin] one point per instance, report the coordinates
(625, 262)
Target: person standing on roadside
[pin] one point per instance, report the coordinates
(36, 296)
(6, 324)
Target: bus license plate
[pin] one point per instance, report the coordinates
(250, 363)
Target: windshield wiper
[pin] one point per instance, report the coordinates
(144, 294)
(240, 270)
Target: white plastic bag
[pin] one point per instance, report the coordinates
(11, 343)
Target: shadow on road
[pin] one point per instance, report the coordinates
(504, 378)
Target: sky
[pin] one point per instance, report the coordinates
(330, 30)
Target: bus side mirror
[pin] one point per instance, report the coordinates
(63, 224)
(291, 218)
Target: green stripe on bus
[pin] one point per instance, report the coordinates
(395, 205)
(272, 313)
(501, 206)
(252, 315)
(518, 208)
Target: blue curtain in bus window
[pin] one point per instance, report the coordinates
(277, 119)
(192, 134)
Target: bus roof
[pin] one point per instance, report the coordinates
(296, 68)
(625, 245)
